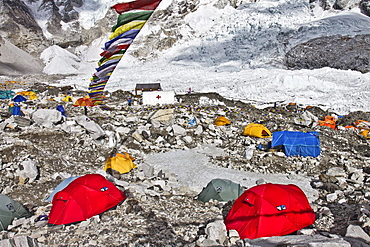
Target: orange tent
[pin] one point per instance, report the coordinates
(365, 133)
(85, 101)
(328, 121)
(221, 121)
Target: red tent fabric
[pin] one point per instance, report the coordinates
(138, 4)
(85, 101)
(83, 198)
(270, 210)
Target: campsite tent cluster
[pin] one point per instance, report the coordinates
(250, 210)
(268, 209)
(297, 143)
(75, 199)
(292, 143)
(264, 210)
(252, 214)
(133, 16)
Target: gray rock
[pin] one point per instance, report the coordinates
(123, 130)
(178, 130)
(346, 53)
(210, 243)
(365, 7)
(21, 241)
(22, 121)
(147, 169)
(164, 116)
(357, 232)
(340, 4)
(260, 181)
(336, 172)
(47, 117)
(248, 153)
(216, 231)
(187, 139)
(137, 136)
(331, 197)
(29, 172)
(92, 128)
(299, 240)
(357, 177)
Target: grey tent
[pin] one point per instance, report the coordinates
(9, 210)
(221, 190)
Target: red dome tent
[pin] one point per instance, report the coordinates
(270, 210)
(83, 198)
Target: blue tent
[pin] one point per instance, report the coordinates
(60, 187)
(19, 98)
(62, 110)
(16, 110)
(297, 143)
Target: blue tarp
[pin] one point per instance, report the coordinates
(19, 98)
(6, 94)
(297, 143)
(60, 187)
(16, 110)
(62, 110)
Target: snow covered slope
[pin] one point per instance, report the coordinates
(239, 53)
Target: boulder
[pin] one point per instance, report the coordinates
(22, 121)
(248, 153)
(365, 7)
(136, 135)
(298, 240)
(336, 172)
(357, 232)
(216, 231)
(164, 117)
(21, 241)
(306, 119)
(178, 130)
(47, 117)
(91, 127)
(29, 172)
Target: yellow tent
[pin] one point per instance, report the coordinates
(256, 130)
(68, 98)
(121, 162)
(31, 94)
(365, 133)
(221, 121)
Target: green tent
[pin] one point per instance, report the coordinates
(221, 190)
(9, 210)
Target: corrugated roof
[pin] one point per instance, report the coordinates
(148, 86)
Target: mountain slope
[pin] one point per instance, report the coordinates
(242, 49)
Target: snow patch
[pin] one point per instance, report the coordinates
(59, 61)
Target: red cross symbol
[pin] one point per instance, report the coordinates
(158, 97)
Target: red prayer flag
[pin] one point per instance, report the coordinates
(139, 4)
